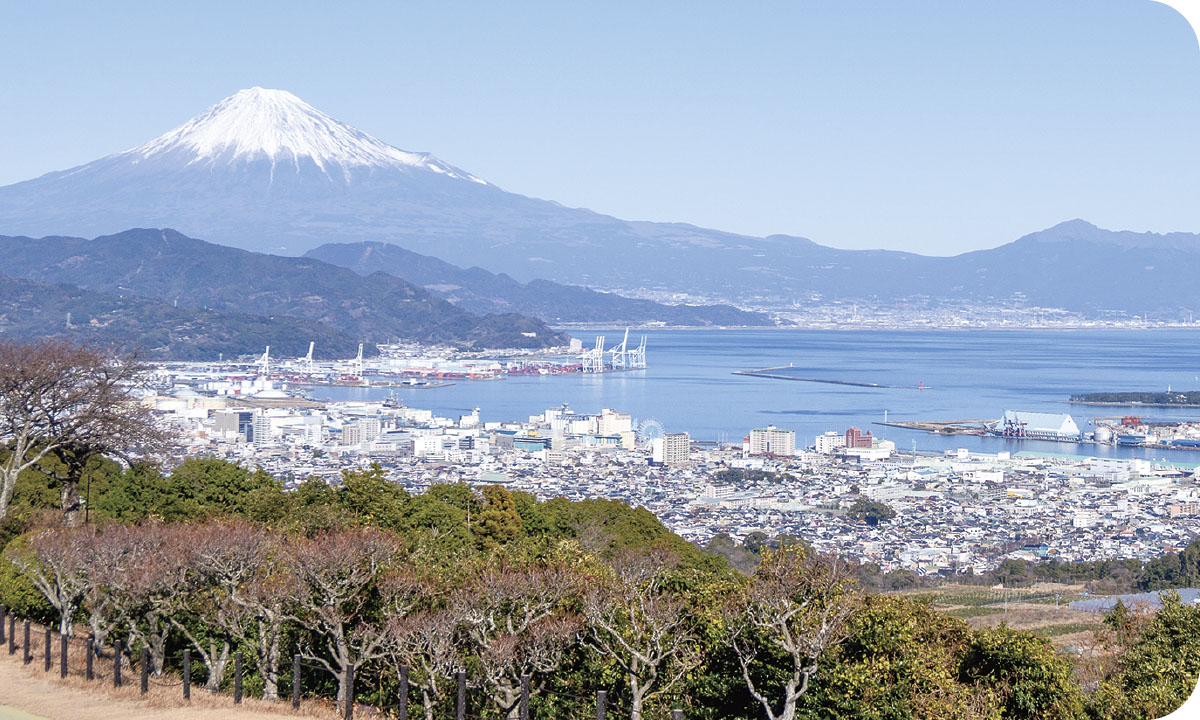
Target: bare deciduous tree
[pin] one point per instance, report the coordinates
(55, 561)
(223, 557)
(105, 555)
(341, 574)
(258, 610)
(799, 603)
(143, 585)
(513, 620)
(69, 402)
(536, 650)
(637, 622)
(426, 643)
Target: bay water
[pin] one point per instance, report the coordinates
(690, 384)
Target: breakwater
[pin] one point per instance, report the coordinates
(775, 374)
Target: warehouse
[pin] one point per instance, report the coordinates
(1035, 426)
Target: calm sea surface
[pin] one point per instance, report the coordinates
(689, 384)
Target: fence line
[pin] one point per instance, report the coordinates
(91, 652)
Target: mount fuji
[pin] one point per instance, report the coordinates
(263, 170)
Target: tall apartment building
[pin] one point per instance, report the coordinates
(673, 448)
(773, 441)
(360, 431)
(261, 428)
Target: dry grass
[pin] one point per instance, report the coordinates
(31, 689)
(1032, 609)
(1063, 627)
(1033, 616)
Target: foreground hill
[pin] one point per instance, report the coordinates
(480, 291)
(154, 329)
(569, 594)
(166, 265)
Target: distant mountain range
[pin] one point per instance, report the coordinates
(167, 266)
(263, 170)
(480, 291)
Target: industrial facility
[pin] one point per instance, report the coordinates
(1060, 427)
(618, 357)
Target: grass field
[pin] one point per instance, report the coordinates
(1042, 609)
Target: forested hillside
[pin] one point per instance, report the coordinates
(155, 329)
(579, 596)
(168, 266)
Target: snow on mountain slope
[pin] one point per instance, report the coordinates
(275, 124)
(263, 170)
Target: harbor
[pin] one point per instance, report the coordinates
(1123, 431)
(408, 366)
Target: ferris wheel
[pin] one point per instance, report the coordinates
(649, 429)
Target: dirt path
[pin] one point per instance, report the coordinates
(26, 693)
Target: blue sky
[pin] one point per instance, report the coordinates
(936, 126)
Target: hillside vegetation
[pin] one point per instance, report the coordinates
(562, 591)
(168, 266)
(153, 328)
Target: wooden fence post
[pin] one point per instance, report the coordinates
(116, 665)
(26, 657)
(46, 650)
(523, 708)
(403, 692)
(461, 711)
(237, 676)
(145, 668)
(12, 634)
(187, 674)
(349, 708)
(3, 619)
(62, 655)
(601, 701)
(296, 681)
(91, 650)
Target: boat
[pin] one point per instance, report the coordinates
(1131, 438)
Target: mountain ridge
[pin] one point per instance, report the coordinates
(480, 291)
(31, 310)
(166, 265)
(246, 202)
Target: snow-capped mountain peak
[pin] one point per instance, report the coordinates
(275, 124)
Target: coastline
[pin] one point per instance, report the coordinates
(841, 327)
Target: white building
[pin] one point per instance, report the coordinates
(672, 449)
(718, 491)
(262, 428)
(773, 441)
(830, 442)
(1036, 425)
(614, 423)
